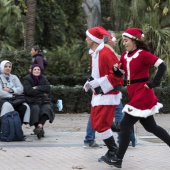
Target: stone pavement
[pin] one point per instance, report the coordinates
(61, 149)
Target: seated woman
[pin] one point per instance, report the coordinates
(10, 86)
(37, 89)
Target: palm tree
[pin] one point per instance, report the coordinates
(30, 24)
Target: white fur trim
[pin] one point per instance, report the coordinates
(158, 62)
(142, 113)
(95, 61)
(130, 36)
(129, 59)
(106, 134)
(105, 84)
(114, 39)
(107, 99)
(95, 39)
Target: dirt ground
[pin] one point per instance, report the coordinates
(69, 122)
(77, 122)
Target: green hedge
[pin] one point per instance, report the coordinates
(76, 100)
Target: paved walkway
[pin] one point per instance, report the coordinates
(61, 149)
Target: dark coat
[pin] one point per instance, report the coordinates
(38, 99)
(38, 59)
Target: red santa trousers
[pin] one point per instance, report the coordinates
(102, 117)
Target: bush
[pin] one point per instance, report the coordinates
(76, 100)
(67, 80)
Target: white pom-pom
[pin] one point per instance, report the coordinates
(114, 39)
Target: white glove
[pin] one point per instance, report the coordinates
(94, 83)
(86, 86)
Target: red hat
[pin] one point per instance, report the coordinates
(134, 33)
(97, 34)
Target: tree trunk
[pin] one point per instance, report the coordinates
(92, 9)
(30, 24)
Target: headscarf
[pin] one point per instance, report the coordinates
(35, 78)
(3, 65)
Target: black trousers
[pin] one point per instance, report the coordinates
(42, 120)
(148, 123)
(21, 109)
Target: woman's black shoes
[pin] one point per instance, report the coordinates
(115, 161)
(39, 132)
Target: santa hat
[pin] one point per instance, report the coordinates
(113, 35)
(97, 34)
(134, 33)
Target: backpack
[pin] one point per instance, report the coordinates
(10, 127)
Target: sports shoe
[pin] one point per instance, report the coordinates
(108, 155)
(90, 145)
(115, 161)
(59, 105)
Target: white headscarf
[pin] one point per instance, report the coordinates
(3, 65)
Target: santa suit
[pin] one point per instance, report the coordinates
(141, 60)
(103, 105)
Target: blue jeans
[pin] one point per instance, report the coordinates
(90, 132)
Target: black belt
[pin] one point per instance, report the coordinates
(98, 90)
(128, 82)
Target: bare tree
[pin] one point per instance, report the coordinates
(30, 24)
(92, 9)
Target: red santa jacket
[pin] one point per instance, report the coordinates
(102, 61)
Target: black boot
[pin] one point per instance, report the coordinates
(111, 145)
(115, 161)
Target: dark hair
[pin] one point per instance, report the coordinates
(36, 48)
(142, 45)
(106, 39)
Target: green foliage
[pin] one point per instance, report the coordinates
(51, 22)
(69, 60)
(11, 26)
(20, 62)
(57, 23)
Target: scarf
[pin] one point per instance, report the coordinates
(35, 78)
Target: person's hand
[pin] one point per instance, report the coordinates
(94, 83)
(116, 67)
(117, 71)
(146, 86)
(150, 85)
(87, 86)
(6, 89)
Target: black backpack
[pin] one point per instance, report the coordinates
(10, 127)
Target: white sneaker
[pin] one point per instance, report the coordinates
(59, 105)
(92, 145)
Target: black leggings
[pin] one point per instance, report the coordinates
(42, 120)
(148, 123)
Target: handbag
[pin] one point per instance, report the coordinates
(16, 100)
